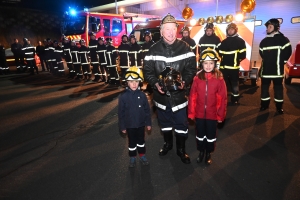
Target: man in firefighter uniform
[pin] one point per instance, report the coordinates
(135, 52)
(101, 52)
(40, 51)
(232, 51)
(275, 49)
(209, 39)
(94, 57)
(58, 54)
(171, 53)
(185, 32)
(111, 57)
(3, 65)
(16, 48)
(76, 60)
(68, 57)
(123, 50)
(29, 53)
(148, 43)
(84, 58)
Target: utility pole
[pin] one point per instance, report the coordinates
(116, 7)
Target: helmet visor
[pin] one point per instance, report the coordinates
(132, 76)
(209, 56)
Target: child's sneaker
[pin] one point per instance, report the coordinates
(132, 162)
(144, 160)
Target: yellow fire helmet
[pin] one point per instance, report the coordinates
(209, 54)
(134, 73)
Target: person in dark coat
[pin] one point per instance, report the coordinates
(3, 65)
(123, 51)
(40, 52)
(58, 54)
(209, 39)
(76, 60)
(186, 38)
(101, 52)
(275, 50)
(135, 52)
(16, 48)
(84, 53)
(134, 115)
(29, 54)
(111, 57)
(93, 43)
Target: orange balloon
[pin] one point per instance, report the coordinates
(187, 13)
(201, 21)
(248, 6)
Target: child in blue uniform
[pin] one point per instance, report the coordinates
(134, 115)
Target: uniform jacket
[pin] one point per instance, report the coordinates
(75, 55)
(58, 54)
(16, 48)
(133, 110)
(84, 55)
(208, 98)
(111, 56)
(40, 51)
(123, 50)
(67, 52)
(212, 42)
(232, 51)
(135, 55)
(191, 43)
(145, 48)
(28, 51)
(49, 52)
(93, 51)
(178, 56)
(101, 51)
(274, 50)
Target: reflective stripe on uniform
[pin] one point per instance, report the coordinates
(170, 59)
(208, 140)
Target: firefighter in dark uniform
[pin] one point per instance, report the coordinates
(275, 50)
(16, 48)
(209, 39)
(40, 51)
(145, 48)
(186, 37)
(135, 52)
(68, 57)
(49, 53)
(123, 50)
(169, 52)
(46, 50)
(29, 53)
(76, 60)
(111, 57)
(101, 52)
(84, 53)
(232, 51)
(58, 54)
(3, 65)
(93, 43)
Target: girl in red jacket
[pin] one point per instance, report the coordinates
(207, 103)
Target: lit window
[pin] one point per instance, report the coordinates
(295, 20)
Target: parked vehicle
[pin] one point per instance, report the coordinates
(292, 67)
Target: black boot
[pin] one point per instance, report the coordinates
(264, 105)
(234, 100)
(180, 144)
(279, 108)
(208, 159)
(200, 157)
(168, 145)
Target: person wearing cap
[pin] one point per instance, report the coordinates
(68, 56)
(76, 60)
(111, 58)
(275, 49)
(209, 39)
(232, 51)
(185, 32)
(169, 52)
(58, 54)
(16, 48)
(123, 51)
(84, 58)
(134, 115)
(29, 54)
(207, 103)
(147, 44)
(101, 52)
(94, 58)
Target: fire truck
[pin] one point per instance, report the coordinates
(79, 26)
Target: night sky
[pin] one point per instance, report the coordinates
(57, 5)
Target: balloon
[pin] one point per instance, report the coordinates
(187, 13)
(248, 6)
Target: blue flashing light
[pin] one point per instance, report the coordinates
(72, 12)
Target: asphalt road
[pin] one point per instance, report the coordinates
(59, 139)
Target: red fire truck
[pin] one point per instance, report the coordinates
(103, 24)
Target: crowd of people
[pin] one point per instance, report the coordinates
(206, 101)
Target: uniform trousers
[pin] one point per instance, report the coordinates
(231, 77)
(136, 140)
(278, 89)
(206, 130)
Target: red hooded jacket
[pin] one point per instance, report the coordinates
(208, 98)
